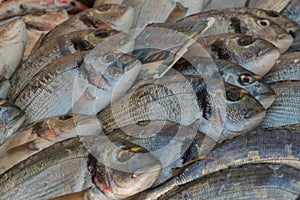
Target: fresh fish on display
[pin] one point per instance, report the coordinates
(287, 68)
(277, 6)
(292, 11)
(4, 87)
(12, 46)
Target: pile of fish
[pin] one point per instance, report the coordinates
(149, 99)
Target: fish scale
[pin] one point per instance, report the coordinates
(285, 109)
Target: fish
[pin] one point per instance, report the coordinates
(114, 16)
(11, 119)
(285, 110)
(90, 80)
(37, 25)
(159, 46)
(277, 145)
(12, 46)
(232, 21)
(77, 169)
(67, 44)
(251, 52)
(11, 8)
(286, 68)
(4, 87)
(77, 7)
(230, 73)
(219, 110)
(291, 11)
(277, 6)
(88, 194)
(263, 181)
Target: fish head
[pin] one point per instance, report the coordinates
(253, 53)
(113, 72)
(11, 119)
(119, 168)
(243, 112)
(271, 32)
(116, 16)
(238, 76)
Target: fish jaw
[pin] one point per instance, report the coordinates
(283, 42)
(266, 61)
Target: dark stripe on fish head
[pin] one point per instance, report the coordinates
(220, 50)
(236, 24)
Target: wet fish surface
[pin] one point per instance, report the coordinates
(247, 182)
(252, 52)
(11, 119)
(68, 167)
(278, 145)
(35, 137)
(287, 68)
(12, 46)
(59, 47)
(285, 110)
(183, 100)
(292, 11)
(4, 87)
(230, 73)
(231, 21)
(268, 4)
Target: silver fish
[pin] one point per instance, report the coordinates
(253, 53)
(12, 46)
(184, 100)
(287, 68)
(233, 21)
(285, 110)
(69, 167)
(4, 87)
(292, 11)
(11, 119)
(264, 181)
(276, 145)
(115, 16)
(230, 73)
(66, 44)
(35, 137)
(277, 6)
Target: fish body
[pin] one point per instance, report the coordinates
(252, 52)
(287, 68)
(246, 182)
(12, 46)
(37, 25)
(4, 87)
(277, 6)
(33, 138)
(183, 100)
(277, 145)
(12, 8)
(11, 119)
(231, 21)
(115, 16)
(68, 167)
(285, 110)
(230, 73)
(67, 44)
(292, 10)
(84, 82)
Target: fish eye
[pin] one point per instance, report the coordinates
(233, 95)
(108, 58)
(245, 41)
(102, 33)
(246, 79)
(104, 8)
(263, 22)
(272, 13)
(65, 117)
(124, 155)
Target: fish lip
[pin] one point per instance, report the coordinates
(267, 99)
(266, 51)
(284, 41)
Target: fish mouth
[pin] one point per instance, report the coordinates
(267, 99)
(266, 60)
(283, 41)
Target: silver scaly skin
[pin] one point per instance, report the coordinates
(187, 100)
(116, 16)
(230, 73)
(228, 21)
(68, 167)
(285, 110)
(286, 68)
(58, 47)
(278, 145)
(251, 52)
